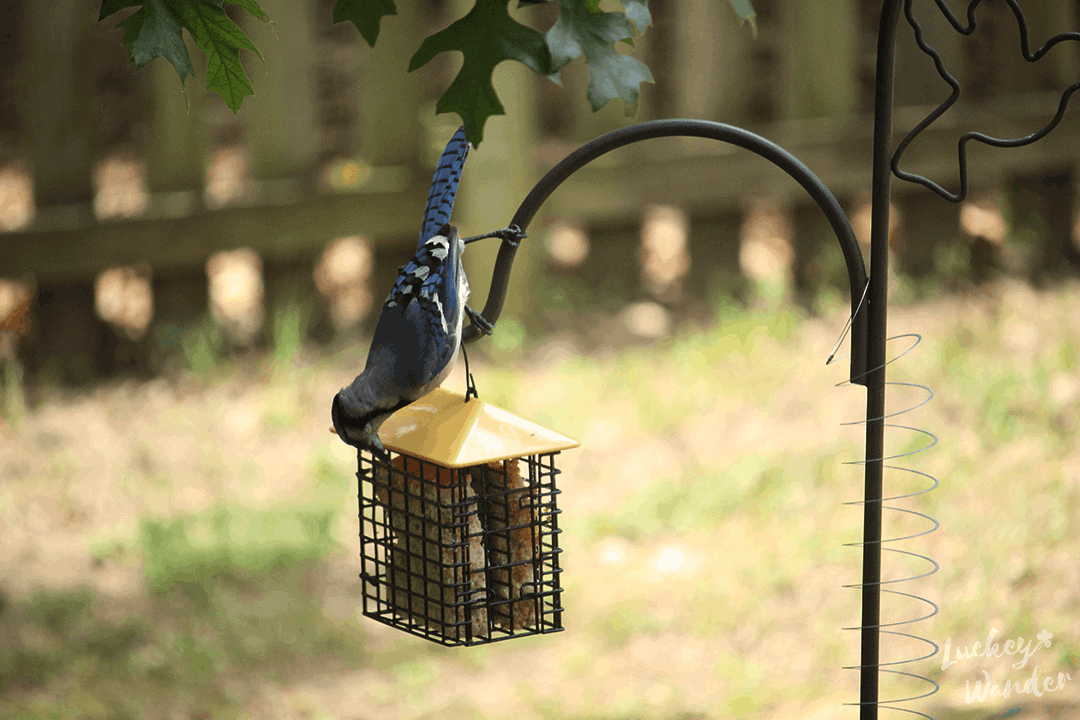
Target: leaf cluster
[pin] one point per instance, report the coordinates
(486, 36)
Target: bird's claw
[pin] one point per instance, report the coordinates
(480, 321)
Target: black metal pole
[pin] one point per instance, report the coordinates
(875, 386)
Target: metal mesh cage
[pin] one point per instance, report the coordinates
(460, 556)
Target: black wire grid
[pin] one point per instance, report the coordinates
(430, 582)
(460, 556)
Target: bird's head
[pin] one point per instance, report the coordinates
(358, 425)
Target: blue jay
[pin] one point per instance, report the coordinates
(418, 334)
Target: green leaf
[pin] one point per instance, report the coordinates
(611, 74)
(745, 10)
(151, 32)
(156, 30)
(252, 8)
(221, 39)
(365, 15)
(486, 36)
(638, 12)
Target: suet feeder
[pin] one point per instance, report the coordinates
(459, 532)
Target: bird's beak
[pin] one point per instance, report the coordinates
(333, 430)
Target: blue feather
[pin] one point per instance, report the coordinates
(421, 319)
(444, 185)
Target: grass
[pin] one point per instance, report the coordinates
(191, 555)
(230, 593)
(13, 409)
(203, 347)
(186, 548)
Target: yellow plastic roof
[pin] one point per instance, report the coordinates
(442, 428)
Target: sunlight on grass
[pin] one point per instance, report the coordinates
(203, 348)
(13, 408)
(191, 554)
(231, 592)
(699, 498)
(283, 409)
(325, 473)
(290, 324)
(623, 620)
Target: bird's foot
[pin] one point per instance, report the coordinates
(513, 235)
(479, 321)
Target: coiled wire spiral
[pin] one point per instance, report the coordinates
(933, 440)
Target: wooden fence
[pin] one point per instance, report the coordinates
(339, 142)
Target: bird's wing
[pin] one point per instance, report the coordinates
(430, 276)
(443, 289)
(412, 355)
(444, 185)
(422, 317)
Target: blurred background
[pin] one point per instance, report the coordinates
(182, 291)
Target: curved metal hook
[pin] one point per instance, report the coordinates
(714, 131)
